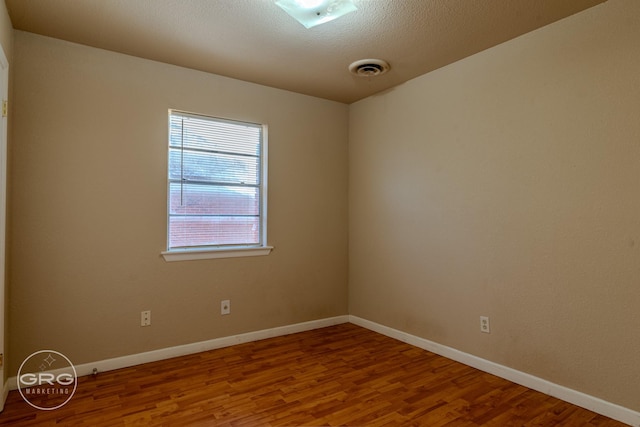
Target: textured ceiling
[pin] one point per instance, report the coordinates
(256, 41)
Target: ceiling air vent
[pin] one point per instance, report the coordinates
(369, 67)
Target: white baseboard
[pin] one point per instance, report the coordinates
(198, 347)
(5, 394)
(583, 400)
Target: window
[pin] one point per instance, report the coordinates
(216, 188)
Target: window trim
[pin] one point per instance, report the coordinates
(231, 251)
(213, 253)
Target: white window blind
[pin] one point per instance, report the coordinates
(215, 183)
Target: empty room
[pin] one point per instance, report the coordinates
(320, 212)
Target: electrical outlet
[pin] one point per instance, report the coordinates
(145, 318)
(484, 324)
(225, 307)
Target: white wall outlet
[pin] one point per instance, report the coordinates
(145, 318)
(225, 307)
(484, 324)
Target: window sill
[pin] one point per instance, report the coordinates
(195, 254)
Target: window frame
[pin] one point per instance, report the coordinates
(221, 251)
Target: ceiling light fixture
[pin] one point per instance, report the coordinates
(315, 12)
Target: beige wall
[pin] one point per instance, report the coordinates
(6, 40)
(89, 207)
(6, 31)
(508, 185)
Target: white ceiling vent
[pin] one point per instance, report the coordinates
(369, 67)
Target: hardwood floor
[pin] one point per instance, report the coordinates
(342, 375)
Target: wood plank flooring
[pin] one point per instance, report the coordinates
(342, 375)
